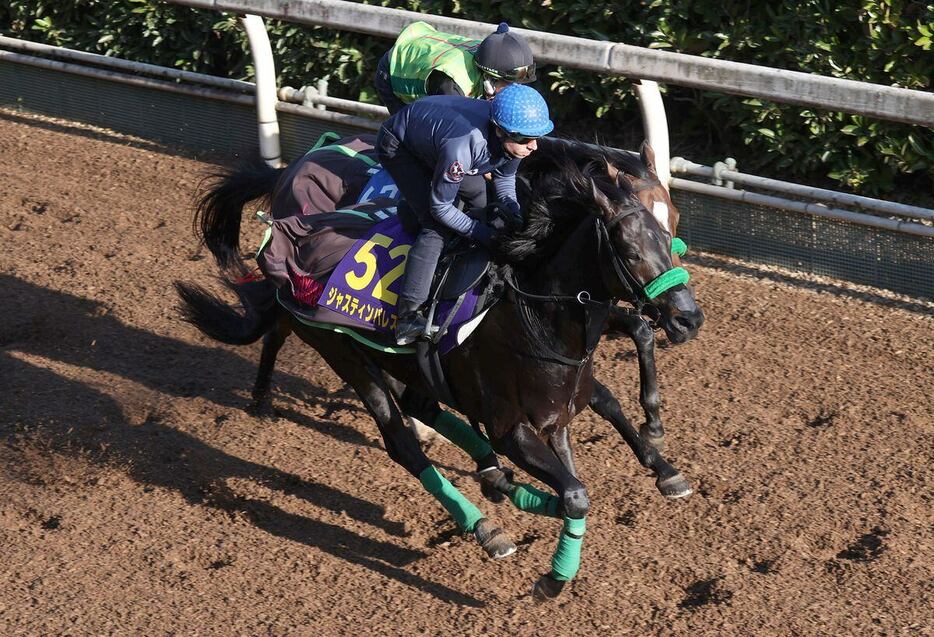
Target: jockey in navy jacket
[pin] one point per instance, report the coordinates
(429, 147)
(455, 136)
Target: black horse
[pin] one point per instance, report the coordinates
(218, 222)
(527, 369)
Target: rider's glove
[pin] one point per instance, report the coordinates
(483, 234)
(507, 211)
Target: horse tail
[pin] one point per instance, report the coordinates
(217, 216)
(220, 320)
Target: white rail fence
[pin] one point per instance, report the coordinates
(791, 87)
(606, 57)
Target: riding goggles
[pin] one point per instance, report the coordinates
(521, 74)
(519, 138)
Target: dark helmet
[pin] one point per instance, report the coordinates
(506, 56)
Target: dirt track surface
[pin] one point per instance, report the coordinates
(138, 498)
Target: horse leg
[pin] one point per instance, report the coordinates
(272, 343)
(358, 370)
(643, 337)
(529, 452)
(668, 480)
(427, 410)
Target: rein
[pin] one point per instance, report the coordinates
(592, 328)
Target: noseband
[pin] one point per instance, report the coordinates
(636, 293)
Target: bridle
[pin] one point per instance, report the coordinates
(596, 311)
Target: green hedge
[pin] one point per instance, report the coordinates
(882, 41)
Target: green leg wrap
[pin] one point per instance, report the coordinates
(462, 435)
(464, 513)
(528, 498)
(567, 558)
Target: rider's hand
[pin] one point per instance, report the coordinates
(484, 234)
(506, 211)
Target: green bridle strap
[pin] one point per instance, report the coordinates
(665, 281)
(325, 138)
(340, 148)
(678, 246)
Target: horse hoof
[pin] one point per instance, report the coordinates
(656, 441)
(491, 493)
(546, 588)
(674, 487)
(494, 540)
(496, 483)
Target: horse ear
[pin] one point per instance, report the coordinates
(648, 156)
(601, 199)
(624, 183)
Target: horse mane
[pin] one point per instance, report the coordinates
(555, 192)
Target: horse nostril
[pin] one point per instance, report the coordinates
(689, 321)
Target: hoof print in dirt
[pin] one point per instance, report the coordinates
(822, 419)
(705, 592)
(627, 519)
(867, 548)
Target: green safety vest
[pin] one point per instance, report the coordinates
(421, 49)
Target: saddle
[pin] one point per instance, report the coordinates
(343, 271)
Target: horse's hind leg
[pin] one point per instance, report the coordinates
(668, 480)
(427, 410)
(529, 452)
(261, 404)
(359, 371)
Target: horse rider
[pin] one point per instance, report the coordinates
(429, 147)
(424, 61)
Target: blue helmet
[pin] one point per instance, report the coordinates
(521, 110)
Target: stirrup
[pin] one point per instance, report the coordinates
(409, 328)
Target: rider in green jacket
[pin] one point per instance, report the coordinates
(425, 62)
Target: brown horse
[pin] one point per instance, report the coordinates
(528, 368)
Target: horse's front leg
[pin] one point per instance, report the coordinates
(528, 451)
(644, 339)
(668, 480)
(261, 405)
(426, 410)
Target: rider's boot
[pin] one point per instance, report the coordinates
(410, 324)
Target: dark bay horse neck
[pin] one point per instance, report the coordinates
(561, 286)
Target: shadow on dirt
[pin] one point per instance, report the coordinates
(75, 419)
(81, 332)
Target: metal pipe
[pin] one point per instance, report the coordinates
(778, 85)
(678, 163)
(152, 70)
(184, 89)
(285, 93)
(816, 210)
(655, 124)
(265, 66)
(301, 96)
(681, 165)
